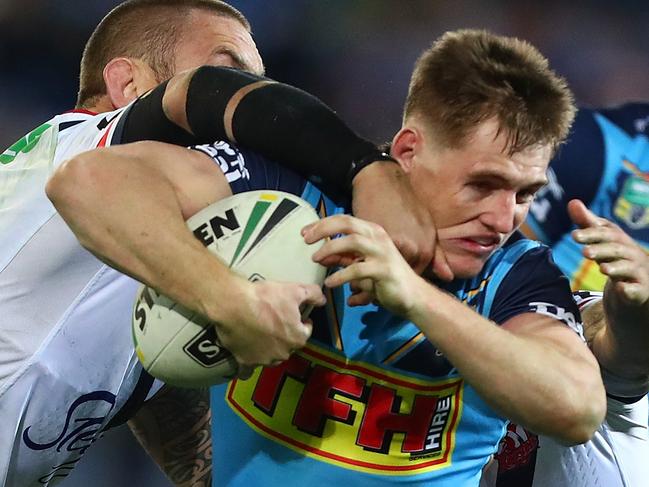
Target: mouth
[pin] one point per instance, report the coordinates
(481, 246)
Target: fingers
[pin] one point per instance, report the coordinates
(360, 241)
(362, 292)
(606, 243)
(356, 271)
(603, 239)
(618, 255)
(361, 285)
(601, 233)
(417, 258)
(349, 245)
(312, 296)
(620, 270)
(333, 225)
(360, 299)
(337, 260)
(607, 252)
(581, 215)
(318, 230)
(274, 325)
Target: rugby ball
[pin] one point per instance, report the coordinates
(257, 234)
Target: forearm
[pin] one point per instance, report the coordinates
(128, 213)
(621, 345)
(281, 122)
(549, 389)
(175, 429)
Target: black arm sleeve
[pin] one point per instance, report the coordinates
(279, 121)
(145, 120)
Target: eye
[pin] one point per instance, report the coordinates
(525, 197)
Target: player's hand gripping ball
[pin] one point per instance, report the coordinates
(257, 234)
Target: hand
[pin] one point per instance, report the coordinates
(265, 326)
(382, 194)
(372, 264)
(619, 257)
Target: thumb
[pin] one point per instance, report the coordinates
(582, 216)
(312, 295)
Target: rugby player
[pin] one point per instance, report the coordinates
(419, 389)
(617, 331)
(67, 367)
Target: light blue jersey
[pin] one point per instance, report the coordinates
(370, 401)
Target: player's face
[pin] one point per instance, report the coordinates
(478, 195)
(214, 40)
(210, 39)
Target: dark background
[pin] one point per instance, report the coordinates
(355, 54)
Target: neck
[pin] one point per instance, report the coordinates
(103, 104)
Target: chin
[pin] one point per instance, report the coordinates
(465, 269)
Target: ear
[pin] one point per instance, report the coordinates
(404, 147)
(126, 79)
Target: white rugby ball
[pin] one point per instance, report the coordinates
(257, 234)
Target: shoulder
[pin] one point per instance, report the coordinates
(80, 130)
(518, 252)
(526, 263)
(522, 277)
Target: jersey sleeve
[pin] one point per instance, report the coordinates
(536, 285)
(575, 172)
(248, 171)
(585, 298)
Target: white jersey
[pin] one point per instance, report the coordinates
(616, 456)
(67, 365)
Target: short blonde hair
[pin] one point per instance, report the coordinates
(469, 76)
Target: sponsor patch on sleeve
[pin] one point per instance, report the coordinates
(558, 313)
(229, 159)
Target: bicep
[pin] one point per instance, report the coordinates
(196, 179)
(550, 332)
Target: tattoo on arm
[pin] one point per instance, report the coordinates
(174, 428)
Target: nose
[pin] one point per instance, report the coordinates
(500, 213)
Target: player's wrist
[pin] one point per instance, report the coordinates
(375, 163)
(225, 298)
(419, 305)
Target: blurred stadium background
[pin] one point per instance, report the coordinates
(354, 54)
